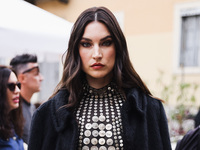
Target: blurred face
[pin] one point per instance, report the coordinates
(97, 53)
(32, 78)
(13, 92)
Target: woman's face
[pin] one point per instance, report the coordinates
(97, 52)
(13, 96)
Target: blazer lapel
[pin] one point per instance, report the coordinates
(134, 121)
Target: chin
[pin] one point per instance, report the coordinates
(15, 106)
(98, 76)
(37, 90)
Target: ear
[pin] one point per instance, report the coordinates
(21, 78)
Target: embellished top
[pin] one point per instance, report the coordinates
(99, 118)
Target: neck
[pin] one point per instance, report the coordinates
(98, 83)
(26, 94)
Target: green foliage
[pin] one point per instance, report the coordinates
(182, 92)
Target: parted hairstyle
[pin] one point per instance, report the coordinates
(125, 75)
(19, 62)
(14, 118)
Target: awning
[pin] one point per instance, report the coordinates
(28, 28)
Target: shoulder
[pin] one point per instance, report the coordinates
(143, 101)
(54, 103)
(138, 95)
(52, 112)
(190, 140)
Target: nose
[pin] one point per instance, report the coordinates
(41, 77)
(17, 89)
(97, 53)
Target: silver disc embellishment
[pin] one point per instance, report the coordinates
(102, 126)
(95, 133)
(102, 133)
(109, 141)
(102, 118)
(102, 148)
(85, 148)
(94, 148)
(87, 133)
(88, 126)
(111, 148)
(95, 125)
(108, 127)
(108, 134)
(101, 141)
(94, 141)
(95, 118)
(86, 141)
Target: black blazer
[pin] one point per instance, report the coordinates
(143, 119)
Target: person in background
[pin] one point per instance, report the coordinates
(11, 117)
(29, 76)
(197, 119)
(101, 102)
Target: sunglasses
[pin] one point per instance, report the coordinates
(29, 70)
(12, 86)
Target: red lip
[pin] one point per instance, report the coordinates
(16, 99)
(97, 65)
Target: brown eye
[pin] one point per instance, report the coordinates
(85, 44)
(107, 43)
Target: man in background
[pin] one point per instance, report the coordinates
(29, 76)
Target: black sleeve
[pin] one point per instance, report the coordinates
(36, 132)
(164, 130)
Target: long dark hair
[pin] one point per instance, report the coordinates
(14, 118)
(125, 75)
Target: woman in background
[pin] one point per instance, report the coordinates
(101, 103)
(11, 119)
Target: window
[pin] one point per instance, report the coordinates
(187, 38)
(190, 41)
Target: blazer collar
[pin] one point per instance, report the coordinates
(136, 101)
(60, 114)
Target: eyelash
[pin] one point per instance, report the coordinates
(105, 43)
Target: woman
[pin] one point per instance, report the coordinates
(100, 102)
(11, 119)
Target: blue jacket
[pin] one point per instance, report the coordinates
(14, 143)
(143, 119)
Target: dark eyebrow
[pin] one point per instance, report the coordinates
(109, 36)
(85, 39)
